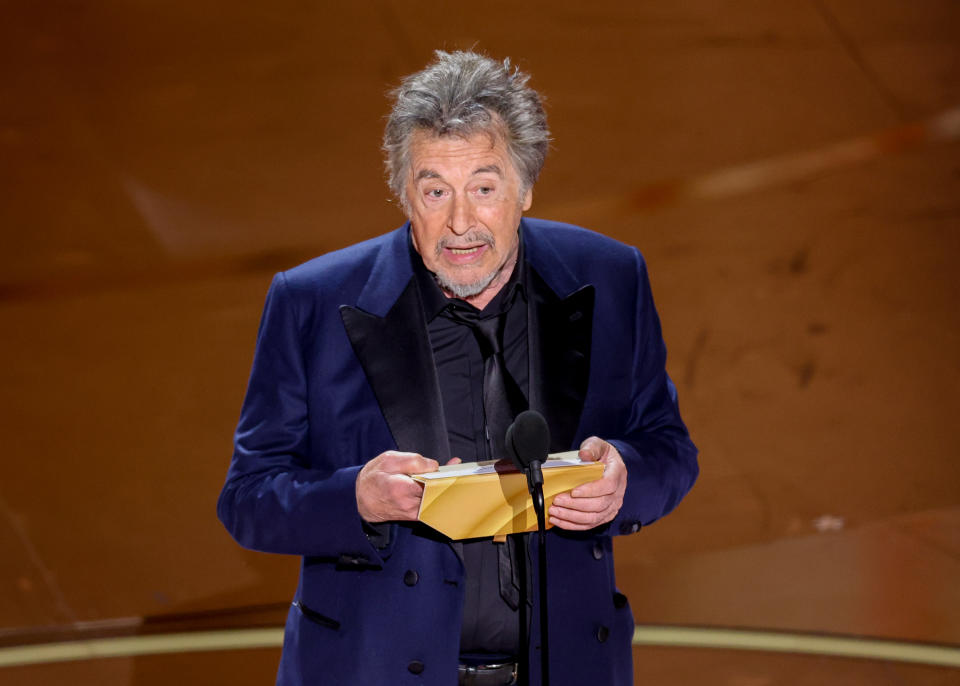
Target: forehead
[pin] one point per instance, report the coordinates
(458, 154)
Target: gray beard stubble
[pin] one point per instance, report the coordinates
(467, 290)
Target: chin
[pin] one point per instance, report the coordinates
(465, 288)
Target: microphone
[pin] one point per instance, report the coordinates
(527, 442)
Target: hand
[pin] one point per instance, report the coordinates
(385, 491)
(596, 502)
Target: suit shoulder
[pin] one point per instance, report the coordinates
(572, 237)
(580, 248)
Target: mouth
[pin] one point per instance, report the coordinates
(464, 251)
(464, 256)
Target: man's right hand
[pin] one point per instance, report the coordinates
(385, 491)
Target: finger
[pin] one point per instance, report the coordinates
(568, 525)
(454, 460)
(589, 505)
(580, 503)
(400, 485)
(404, 491)
(596, 489)
(580, 521)
(400, 498)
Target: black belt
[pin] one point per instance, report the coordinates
(494, 674)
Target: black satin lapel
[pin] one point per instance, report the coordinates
(559, 335)
(395, 354)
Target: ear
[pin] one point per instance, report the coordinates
(528, 199)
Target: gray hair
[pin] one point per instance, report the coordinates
(461, 94)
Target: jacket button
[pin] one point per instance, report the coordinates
(629, 527)
(415, 667)
(410, 578)
(597, 551)
(603, 633)
(619, 601)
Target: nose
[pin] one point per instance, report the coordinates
(461, 218)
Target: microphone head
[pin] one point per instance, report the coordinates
(528, 439)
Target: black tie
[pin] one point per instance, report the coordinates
(502, 400)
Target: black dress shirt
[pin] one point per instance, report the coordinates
(490, 625)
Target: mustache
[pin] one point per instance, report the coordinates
(471, 238)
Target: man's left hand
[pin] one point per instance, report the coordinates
(597, 502)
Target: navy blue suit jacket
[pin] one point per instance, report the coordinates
(343, 371)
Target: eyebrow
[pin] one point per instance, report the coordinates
(490, 168)
(486, 169)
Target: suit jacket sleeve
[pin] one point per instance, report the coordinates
(274, 499)
(661, 459)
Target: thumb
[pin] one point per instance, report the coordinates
(593, 449)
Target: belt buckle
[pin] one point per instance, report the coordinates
(484, 675)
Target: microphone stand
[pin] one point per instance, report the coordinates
(528, 442)
(535, 485)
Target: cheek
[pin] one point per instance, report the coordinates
(501, 219)
(425, 232)
(494, 215)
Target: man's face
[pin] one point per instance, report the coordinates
(464, 204)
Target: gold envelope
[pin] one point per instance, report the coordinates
(479, 499)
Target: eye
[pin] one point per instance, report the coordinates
(435, 193)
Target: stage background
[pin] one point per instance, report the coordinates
(790, 170)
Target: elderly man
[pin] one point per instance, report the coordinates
(402, 353)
